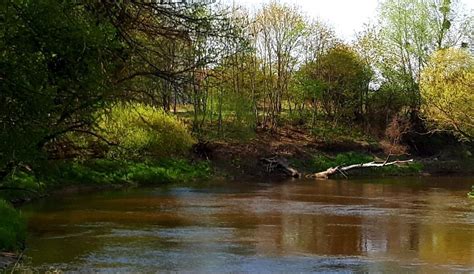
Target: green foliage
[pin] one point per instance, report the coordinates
(233, 116)
(56, 61)
(340, 80)
(331, 133)
(140, 130)
(385, 103)
(21, 185)
(230, 105)
(167, 172)
(12, 228)
(471, 194)
(410, 169)
(120, 172)
(69, 68)
(106, 172)
(408, 32)
(22, 179)
(447, 90)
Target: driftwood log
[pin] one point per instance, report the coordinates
(343, 170)
(275, 163)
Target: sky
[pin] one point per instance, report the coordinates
(345, 16)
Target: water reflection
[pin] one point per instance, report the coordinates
(413, 224)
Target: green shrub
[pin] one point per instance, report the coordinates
(21, 185)
(104, 171)
(329, 133)
(172, 171)
(141, 130)
(238, 118)
(12, 227)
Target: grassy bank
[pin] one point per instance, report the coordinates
(12, 227)
(23, 185)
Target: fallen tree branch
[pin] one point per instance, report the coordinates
(333, 170)
(274, 163)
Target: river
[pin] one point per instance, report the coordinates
(370, 225)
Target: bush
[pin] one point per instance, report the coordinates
(330, 133)
(101, 172)
(140, 130)
(238, 118)
(12, 227)
(446, 88)
(395, 131)
(105, 171)
(23, 184)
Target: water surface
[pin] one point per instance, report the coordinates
(404, 224)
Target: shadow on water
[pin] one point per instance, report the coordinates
(397, 224)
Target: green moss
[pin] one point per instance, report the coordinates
(471, 194)
(12, 228)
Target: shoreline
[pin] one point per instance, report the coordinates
(241, 161)
(8, 260)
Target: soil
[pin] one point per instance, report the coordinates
(242, 160)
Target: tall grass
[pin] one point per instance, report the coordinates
(12, 227)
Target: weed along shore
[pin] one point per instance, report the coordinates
(191, 135)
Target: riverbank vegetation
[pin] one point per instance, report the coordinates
(138, 92)
(12, 228)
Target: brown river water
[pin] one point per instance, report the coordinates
(370, 225)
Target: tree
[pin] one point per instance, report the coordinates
(447, 85)
(344, 79)
(57, 68)
(409, 32)
(280, 37)
(62, 62)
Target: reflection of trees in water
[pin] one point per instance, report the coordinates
(332, 218)
(390, 221)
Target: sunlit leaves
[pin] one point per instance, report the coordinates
(447, 87)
